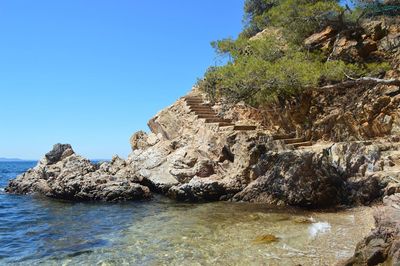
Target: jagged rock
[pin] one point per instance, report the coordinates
(64, 175)
(346, 49)
(153, 167)
(139, 140)
(152, 139)
(342, 174)
(159, 179)
(364, 190)
(375, 29)
(303, 179)
(383, 244)
(354, 157)
(166, 124)
(59, 152)
(199, 189)
(392, 188)
(318, 39)
(367, 47)
(390, 42)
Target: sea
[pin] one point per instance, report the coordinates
(35, 230)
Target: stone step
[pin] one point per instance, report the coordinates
(280, 137)
(201, 109)
(193, 97)
(191, 102)
(293, 140)
(218, 120)
(205, 112)
(225, 124)
(194, 100)
(301, 144)
(200, 116)
(244, 127)
(199, 105)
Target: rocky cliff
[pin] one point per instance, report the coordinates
(192, 159)
(349, 111)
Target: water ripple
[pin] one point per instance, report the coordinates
(38, 231)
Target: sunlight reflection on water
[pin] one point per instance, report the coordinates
(40, 231)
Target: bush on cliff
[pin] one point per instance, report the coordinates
(274, 63)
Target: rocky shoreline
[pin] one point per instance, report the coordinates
(325, 147)
(62, 174)
(348, 173)
(321, 149)
(187, 159)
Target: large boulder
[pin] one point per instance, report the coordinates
(139, 140)
(58, 153)
(303, 179)
(382, 245)
(62, 174)
(319, 39)
(199, 189)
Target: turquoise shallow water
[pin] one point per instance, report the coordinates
(39, 231)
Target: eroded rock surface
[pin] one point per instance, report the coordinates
(195, 161)
(62, 174)
(383, 244)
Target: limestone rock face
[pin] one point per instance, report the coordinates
(304, 179)
(319, 39)
(191, 160)
(139, 140)
(383, 244)
(62, 174)
(152, 166)
(354, 157)
(358, 113)
(58, 153)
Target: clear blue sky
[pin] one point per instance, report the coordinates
(92, 72)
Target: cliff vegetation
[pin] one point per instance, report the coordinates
(273, 59)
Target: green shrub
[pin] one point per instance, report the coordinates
(275, 64)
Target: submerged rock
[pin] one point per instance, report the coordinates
(266, 239)
(304, 220)
(62, 174)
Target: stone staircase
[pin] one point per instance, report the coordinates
(292, 141)
(204, 111)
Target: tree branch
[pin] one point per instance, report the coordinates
(361, 81)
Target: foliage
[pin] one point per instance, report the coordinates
(300, 18)
(275, 65)
(371, 8)
(255, 17)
